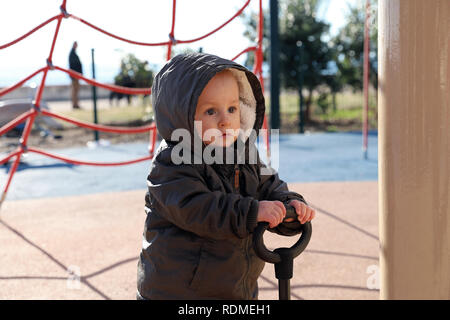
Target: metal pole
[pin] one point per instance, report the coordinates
(94, 95)
(284, 289)
(366, 80)
(274, 67)
(301, 115)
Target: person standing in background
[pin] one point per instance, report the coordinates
(75, 65)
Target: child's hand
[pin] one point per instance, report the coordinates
(304, 213)
(272, 212)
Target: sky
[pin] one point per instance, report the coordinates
(138, 20)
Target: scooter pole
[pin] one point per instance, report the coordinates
(282, 258)
(284, 289)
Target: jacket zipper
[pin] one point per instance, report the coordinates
(236, 188)
(236, 178)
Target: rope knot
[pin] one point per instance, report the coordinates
(172, 39)
(64, 12)
(36, 107)
(50, 65)
(23, 147)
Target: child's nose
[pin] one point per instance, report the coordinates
(224, 121)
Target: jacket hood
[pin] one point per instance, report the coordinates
(178, 85)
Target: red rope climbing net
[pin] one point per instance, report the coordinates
(30, 115)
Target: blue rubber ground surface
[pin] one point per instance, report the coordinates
(302, 158)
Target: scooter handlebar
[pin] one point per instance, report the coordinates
(271, 256)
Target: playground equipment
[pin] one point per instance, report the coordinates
(36, 107)
(11, 109)
(283, 258)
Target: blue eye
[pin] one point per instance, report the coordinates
(232, 109)
(210, 112)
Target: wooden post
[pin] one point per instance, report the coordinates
(414, 148)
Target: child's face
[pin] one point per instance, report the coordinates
(218, 110)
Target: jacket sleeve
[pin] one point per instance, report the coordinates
(180, 195)
(271, 187)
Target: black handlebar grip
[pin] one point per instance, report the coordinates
(294, 251)
(290, 213)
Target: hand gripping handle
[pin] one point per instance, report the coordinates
(294, 251)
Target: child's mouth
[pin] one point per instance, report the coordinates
(230, 133)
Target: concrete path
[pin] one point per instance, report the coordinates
(86, 246)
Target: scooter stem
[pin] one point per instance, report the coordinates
(283, 258)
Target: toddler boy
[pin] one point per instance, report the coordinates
(200, 215)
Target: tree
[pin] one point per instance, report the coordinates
(134, 73)
(302, 48)
(349, 45)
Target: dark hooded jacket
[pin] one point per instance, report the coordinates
(197, 240)
(74, 62)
